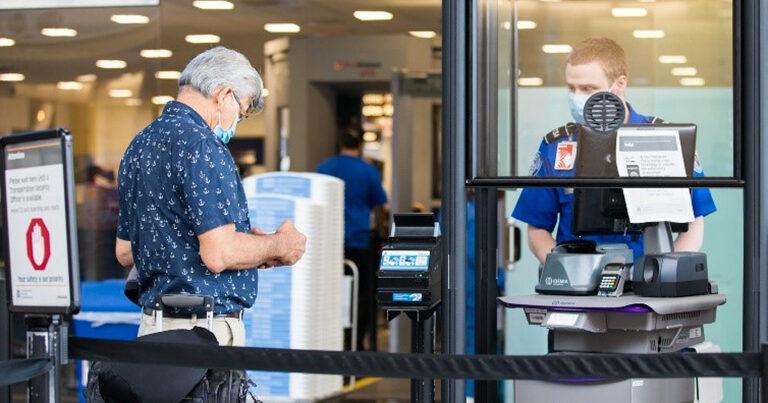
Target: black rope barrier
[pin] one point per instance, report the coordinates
(15, 371)
(424, 366)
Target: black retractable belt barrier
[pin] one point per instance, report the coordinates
(437, 366)
(15, 371)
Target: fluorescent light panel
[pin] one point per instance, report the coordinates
(692, 82)
(629, 12)
(86, 78)
(6, 42)
(155, 53)
(530, 81)
(213, 4)
(120, 93)
(11, 77)
(59, 32)
(648, 34)
(161, 99)
(282, 28)
(69, 85)
(684, 71)
(365, 15)
(525, 24)
(423, 34)
(556, 48)
(167, 75)
(202, 38)
(673, 59)
(111, 64)
(129, 19)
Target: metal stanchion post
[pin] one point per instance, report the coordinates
(46, 337)
(764, 374)
(422, 335)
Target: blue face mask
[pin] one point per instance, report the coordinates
(226, 134)
(576, 104)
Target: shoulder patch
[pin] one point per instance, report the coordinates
(535, 165)
(562, 131)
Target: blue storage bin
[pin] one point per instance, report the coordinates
(105, 313)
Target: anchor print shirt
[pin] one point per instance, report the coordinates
(177, 181)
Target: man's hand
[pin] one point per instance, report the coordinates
(292, 243)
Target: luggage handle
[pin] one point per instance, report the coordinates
(187, 301)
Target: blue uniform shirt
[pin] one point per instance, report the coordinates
(177, 181)
(362, 192)
(542, 207)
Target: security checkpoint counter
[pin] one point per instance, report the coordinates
(628, 324)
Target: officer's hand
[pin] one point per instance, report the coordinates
(292, 243)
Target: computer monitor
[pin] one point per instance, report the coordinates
(604, 211)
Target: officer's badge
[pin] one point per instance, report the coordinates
(566, 156)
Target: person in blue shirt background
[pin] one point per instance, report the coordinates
(595, 64)
(363, 193)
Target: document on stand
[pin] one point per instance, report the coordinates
(653, 153)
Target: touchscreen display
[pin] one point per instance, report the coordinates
(405, 260)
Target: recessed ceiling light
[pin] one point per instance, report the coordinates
(373, 110)
(133, 102)
(673, 59)
(120, 93)
(6, 42)
(11, 77)
(59, 32)
(373, 99)
(161, 99)
(69, 85)
(648, 34)
(684, 71)
(629, 12)
(111, 64)
(264, 92)
(155, 53)
(202, 38)
(129, 19)
(282, 28)
(423, 34)
(692, 82)
(168, 75)
(530, 81)
(363, 15)
(86, 78)
(556, 48)
(370, 136)
(213, 4)
(525, 24)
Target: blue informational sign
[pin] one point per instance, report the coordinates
(405, 260)
(285, 184)
(407, 297)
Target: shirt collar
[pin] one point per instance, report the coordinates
(176, 108)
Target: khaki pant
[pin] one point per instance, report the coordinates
(228, 331)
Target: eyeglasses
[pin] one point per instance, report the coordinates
(256, 106)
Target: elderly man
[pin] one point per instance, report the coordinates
(183, 215)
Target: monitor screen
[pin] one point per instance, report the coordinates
(604, 211)
(405, 260)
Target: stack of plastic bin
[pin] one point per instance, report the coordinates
(316, 293)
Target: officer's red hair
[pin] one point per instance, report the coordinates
(605, 51)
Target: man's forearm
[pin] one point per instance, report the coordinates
(248, 251)
(691, 240)
(540, 242)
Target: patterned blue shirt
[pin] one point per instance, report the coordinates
(177, 181)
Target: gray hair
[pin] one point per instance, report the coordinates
(219, 67)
